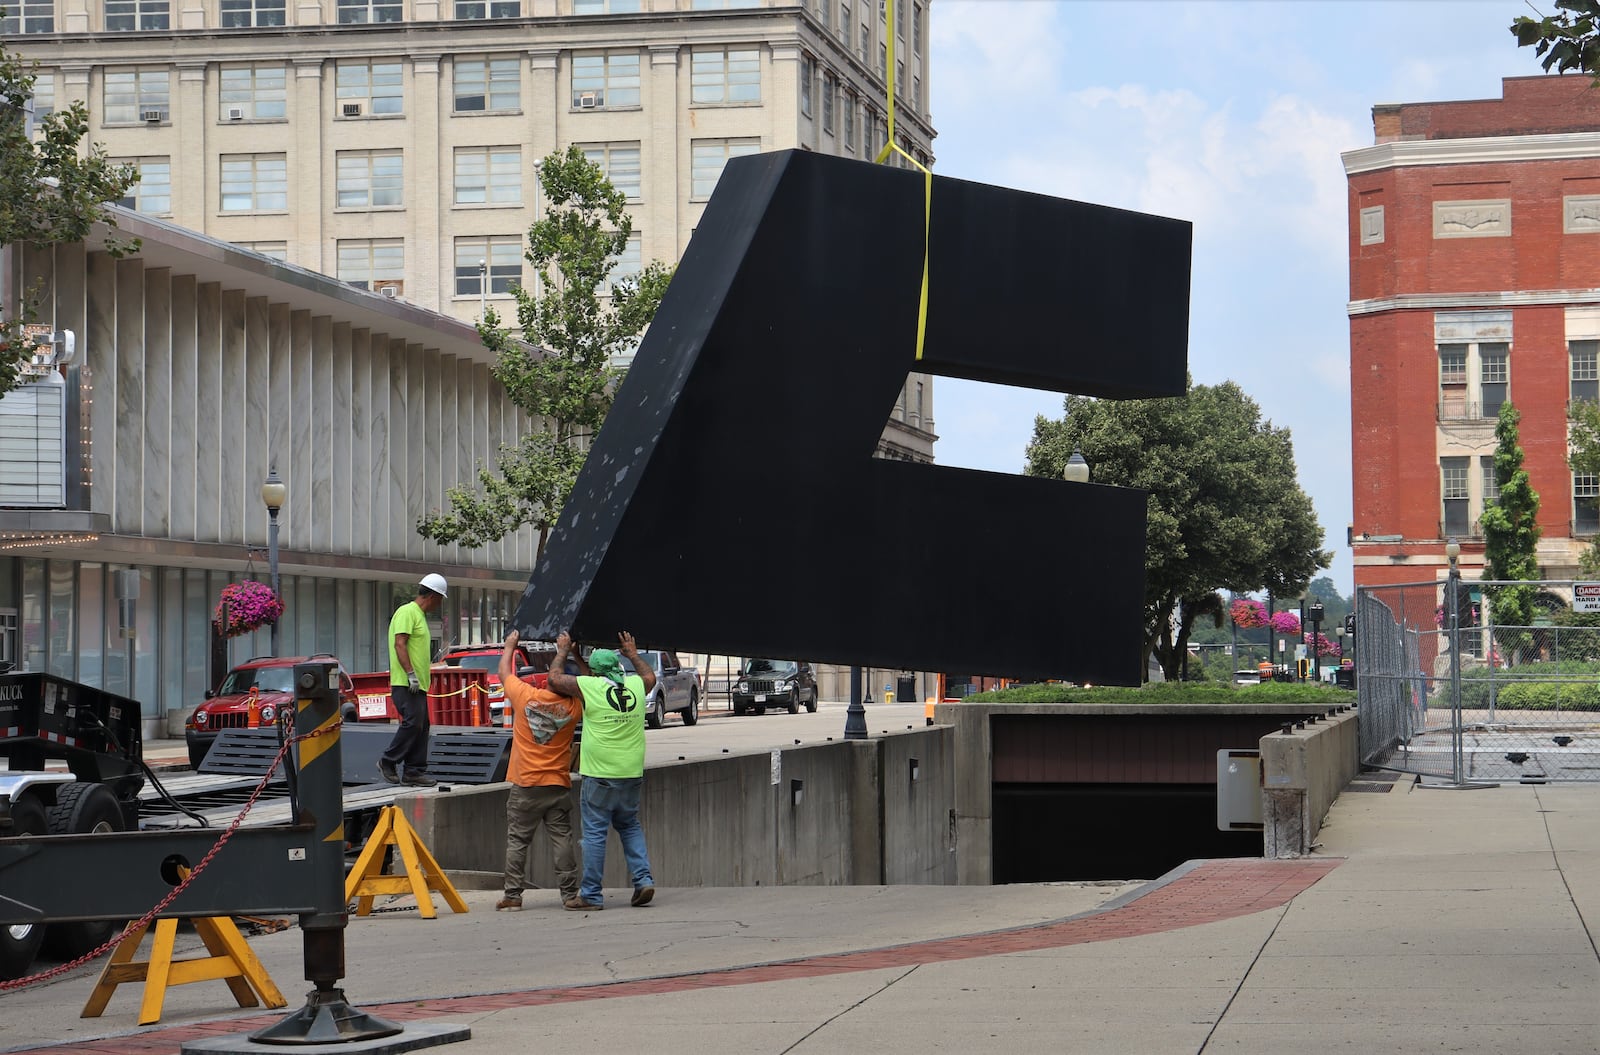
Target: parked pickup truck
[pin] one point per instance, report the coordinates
(677, 688)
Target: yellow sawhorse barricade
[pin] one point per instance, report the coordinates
(422, 873)
(230, 961)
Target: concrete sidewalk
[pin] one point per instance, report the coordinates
(1428, 920)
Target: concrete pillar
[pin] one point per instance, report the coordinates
(661, 152)
(192, 204)
(306, 196)
(422, 275)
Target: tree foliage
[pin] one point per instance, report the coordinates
(1566, 42)
(1511, 532)
(51, 191)
(556, 366)
(1225, 511)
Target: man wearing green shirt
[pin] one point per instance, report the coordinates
(611, 762)
(410, 659)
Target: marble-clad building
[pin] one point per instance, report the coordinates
(199, 367)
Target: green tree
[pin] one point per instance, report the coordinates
(557, 366)
(51, 191)
(1511, 535)
(1583, 441)
(1568, 41)
(1225, 512)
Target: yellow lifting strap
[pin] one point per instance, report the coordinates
(893, 147)
(422, 876)
(231, 961)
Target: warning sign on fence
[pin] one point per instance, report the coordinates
(1586, 597)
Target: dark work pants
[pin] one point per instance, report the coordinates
(410, 743)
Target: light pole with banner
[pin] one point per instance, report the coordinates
(273, 493)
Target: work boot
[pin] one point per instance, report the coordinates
(418, 778)
(642, 895)
(389, 772)
(509, 903)
(577, 904)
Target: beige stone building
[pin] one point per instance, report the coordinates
(394, 144)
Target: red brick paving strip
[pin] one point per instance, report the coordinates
(1212, 891)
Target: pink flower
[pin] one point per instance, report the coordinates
(1285, 623)
(1247, 614)
(246, 606)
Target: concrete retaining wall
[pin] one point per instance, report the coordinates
(842, 813)
(1303, 771)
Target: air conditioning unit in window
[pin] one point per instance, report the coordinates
(236, 113)
(154, 117)
(352, 109)
(392, 290)
(590, 100)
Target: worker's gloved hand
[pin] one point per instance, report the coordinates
(416, 686)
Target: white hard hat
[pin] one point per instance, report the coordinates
(435, 582)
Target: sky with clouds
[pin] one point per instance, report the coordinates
(1229, 114)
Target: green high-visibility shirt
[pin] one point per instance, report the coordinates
(613, 727)
(411, 620)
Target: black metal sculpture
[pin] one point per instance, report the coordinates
(770, 370)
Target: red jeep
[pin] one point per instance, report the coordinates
(251, 695)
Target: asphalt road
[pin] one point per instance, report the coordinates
(718, 730)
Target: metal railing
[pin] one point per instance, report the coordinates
(1444, 691)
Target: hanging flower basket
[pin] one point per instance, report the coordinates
(246, 606)
(1248, 613)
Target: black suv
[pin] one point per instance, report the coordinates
(764, 683)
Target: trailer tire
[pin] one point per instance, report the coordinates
(19, 944)
(82, 808)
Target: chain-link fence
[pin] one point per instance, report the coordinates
(1445, 691)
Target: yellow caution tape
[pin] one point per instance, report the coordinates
(892, 147)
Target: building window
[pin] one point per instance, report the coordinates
(864, 42)
(152, 193)
(362, 11)
(488, 9)
(501, 257)
(718, 5)
(243, 14)
(605, 81)
(369, 263)
(825, 12)
(488, 175)
(1453, 489)
(1585, 370)
(900, 19)
(44, 98)
(1495, 379)
(883, 63)
(1491, 484)
(916, 29)
(369, 179)
(620, 163)
(487, 84)
(849, 116)
(255, 183)
(276, 250)
(605, 7)
(916, 93)
(254, 93)
(629, 264)
(138, 14)
(29, 16)
(132, 96)
(1585, 504)
(725, 75)
(844, 22)
(830, 90)
(708, 158)
(808, 74)
(369, 88)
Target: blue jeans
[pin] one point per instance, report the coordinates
(608, 803)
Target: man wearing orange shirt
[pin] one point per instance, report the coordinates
(541, 781)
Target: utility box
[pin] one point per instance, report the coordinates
(1239, 790)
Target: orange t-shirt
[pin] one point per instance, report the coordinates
(541, 735)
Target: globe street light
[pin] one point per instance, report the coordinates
(1076, 470)
(273, 493)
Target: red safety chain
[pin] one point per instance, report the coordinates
(144, 921)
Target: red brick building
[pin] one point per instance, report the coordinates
(1474, 279)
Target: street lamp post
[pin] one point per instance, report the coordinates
(483, 289)
(273, 493)
(1452, 550)
(1315, 612)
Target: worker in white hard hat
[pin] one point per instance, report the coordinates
(410, 657)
